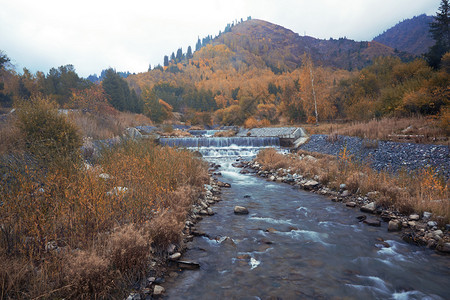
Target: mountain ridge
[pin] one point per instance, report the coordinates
(410, 35)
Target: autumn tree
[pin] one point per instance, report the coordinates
(5, 98)
(93, 100)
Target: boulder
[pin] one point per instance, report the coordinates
(427, 215)
(414, 217)
(158, 290)
(209, 211)
(345, 193)
(133, 133)
(240, 210)
(310, 184)
(188, 265)
(134, 296)
(394, 225)
(175, 256)
(104, 176)
(369, 208)
(431, 223)
(361, 218)
(350, 204)
(373, 195)
(372, 222)
(223, 184)
(342, 186)
(443, 247)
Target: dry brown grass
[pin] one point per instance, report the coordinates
(72, 235)
(11, 138)
(420, 191)
(104, 126)
(175, 133)
(227, 133)
(418, 129)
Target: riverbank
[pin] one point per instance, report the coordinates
(378, 196)
(93, 231)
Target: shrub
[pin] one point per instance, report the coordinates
(48, 136)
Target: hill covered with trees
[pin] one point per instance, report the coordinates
(410, 35)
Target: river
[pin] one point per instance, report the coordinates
(298, 245)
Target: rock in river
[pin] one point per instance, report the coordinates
(188, 265)
(310, 184)
(158, 290)
(373, 222)
(240, 210)
(369, 208)
(394, 225)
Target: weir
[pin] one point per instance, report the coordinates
(196, 142)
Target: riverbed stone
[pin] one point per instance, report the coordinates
(372, 222)
(412, 224)
(345, 193)
(350, 204)
(431, 223)
(134, 296)
(394, 225)
(310, 184)
(369, 208)
(443, 247)
(175, 256)
(158, 290)
(240, 210)
(427, 215)
(342, 186)
(188, 265)
(414, 217)
(223, 184)
(209, 211)
(373, 195)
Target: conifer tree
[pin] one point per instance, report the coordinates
(440, 31)
(189, 53)
(198, 45)
(166, 61)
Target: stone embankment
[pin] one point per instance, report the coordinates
(171, 262)
(384, 155)
(415, 228)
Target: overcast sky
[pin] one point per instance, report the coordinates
(129, 35)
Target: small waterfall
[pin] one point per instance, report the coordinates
(223, 146)
(205, 133)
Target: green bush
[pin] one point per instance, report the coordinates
(49, 137)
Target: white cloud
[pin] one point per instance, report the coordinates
(128, 35)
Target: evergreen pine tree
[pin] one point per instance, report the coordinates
(179, 56)
(166, 61)
(198, 45)
(189, 53)
(440, 31)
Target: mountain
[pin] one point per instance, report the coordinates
(411, 35)
(281, 49)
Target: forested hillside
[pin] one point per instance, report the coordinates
(258, 73)
(254, 73)
(410, 35)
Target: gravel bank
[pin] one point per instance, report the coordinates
(385, 155)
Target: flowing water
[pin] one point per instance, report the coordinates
(299, 245)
